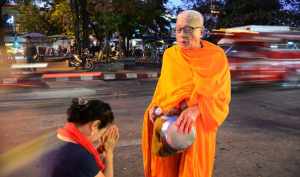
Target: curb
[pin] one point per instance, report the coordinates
(99, 76)
(84, 76)
(129, 76)
(71, 76)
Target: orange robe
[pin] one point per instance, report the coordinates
(201, 76)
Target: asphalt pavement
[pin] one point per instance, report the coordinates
(261, 137)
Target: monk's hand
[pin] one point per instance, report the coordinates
(186, 119)
(151, 114)
(154, 112)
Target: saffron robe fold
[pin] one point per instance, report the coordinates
(201, 77)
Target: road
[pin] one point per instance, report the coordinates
(260, 138)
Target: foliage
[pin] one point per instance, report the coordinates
(252, 12)
(61, 18)
(33, 20)
(128, 18)
(57, 19)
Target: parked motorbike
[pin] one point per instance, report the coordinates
(85, 61)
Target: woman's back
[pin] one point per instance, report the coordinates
(69, 160)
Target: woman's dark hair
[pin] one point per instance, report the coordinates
(83, 111)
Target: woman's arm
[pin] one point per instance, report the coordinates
(109, 170)
(109, 146)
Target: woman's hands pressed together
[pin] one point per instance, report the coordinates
(109, 140)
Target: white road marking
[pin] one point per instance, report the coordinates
(109, 76)
(64, 93)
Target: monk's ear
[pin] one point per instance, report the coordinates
(202, 31)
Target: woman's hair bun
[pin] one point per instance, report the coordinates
(80, 101)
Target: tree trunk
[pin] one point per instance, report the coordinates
(107, 49)
(85, 23)
(75, 12)
(121, 46)
(127, 46)
(2, 45)
(99, 36)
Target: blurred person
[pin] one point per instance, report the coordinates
(60, 50)
(30, 50)
(85, 144)
(195, 73)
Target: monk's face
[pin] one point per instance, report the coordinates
(188, 31)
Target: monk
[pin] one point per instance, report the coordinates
(197, 72)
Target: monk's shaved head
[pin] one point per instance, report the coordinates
(189, 29)
(192, 17)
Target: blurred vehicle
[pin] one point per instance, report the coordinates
(261, 57)
(15, 48)
(58, 48)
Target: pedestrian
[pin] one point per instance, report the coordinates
(85, 144)
(30, 51)
(194, 86)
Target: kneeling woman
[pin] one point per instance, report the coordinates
(87, 142)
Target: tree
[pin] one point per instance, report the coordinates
(290, 13)
(292, 5)
(34, 20)
(61, 18)
(210, 9)
(238, 12)
(103, 17)
(258, 12)
(80, 23)
(128, 18)
(55, 18)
